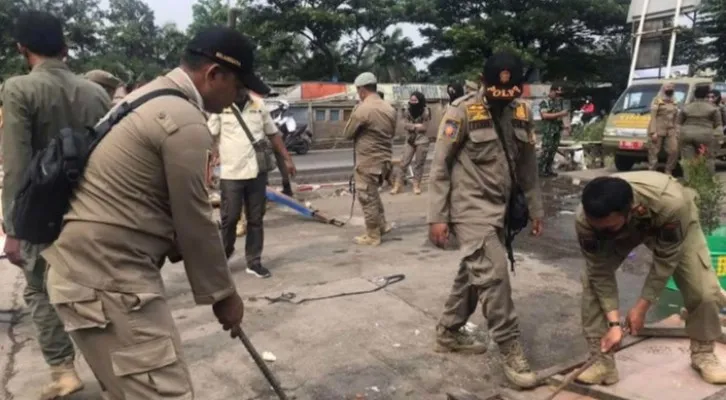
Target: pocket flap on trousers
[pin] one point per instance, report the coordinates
(144, 357)
(63, 291)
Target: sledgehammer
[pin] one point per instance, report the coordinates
(261, 365)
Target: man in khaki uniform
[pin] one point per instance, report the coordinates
(106, 80)
(371, 126)
(416, 149)
(619, 213)
(470, 187)
(662, 130)
(700, 128)
(36, 107)
(143, 199)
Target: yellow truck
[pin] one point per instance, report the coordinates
(626, 136)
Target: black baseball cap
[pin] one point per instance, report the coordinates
(232, 49)
(503, 76)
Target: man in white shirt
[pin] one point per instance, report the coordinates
(242, 183)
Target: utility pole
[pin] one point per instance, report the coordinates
(232, 16)
(672, 48)
(638, 37)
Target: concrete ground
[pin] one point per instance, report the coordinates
(374, 346)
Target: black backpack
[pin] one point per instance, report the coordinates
(55, 172)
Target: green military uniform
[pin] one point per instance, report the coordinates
(700, 128)
(664, 217)
(469, 189)
(551, 133)
(663, 132)
(371, 126)
(36, 107)
(416, 149)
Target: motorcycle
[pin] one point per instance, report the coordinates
(296, 138)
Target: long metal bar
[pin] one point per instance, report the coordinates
(672, 48)
(262, 366)
(638, 37)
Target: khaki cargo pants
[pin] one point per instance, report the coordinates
(366, 189)
(128, 339)
(696, 281)
(691, 146)
(669, 143)
(417, 151)
(483, 277)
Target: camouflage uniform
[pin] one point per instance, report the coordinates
(551, 132)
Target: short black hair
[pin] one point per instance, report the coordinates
(606, 195)
(371, 88)
(41, 33)
(380, 94)
(717, 95)
(195, 61)
(701, 91)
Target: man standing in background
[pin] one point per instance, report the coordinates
(106, 80)
(663, 131)
(371, 126)
(35, 111)
(553, 114)
(416, 148)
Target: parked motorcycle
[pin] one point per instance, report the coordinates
(296, 138)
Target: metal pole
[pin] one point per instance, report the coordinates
(638, 36)
(232, 17)
(672, 48)
(271, 379)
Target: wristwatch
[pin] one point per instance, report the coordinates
(612, 324)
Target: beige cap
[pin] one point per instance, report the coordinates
(103, 78)
(366, 78)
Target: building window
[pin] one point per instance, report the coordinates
(320, 115)
(346, 114)
(335, 115)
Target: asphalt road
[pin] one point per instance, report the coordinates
(377, 344)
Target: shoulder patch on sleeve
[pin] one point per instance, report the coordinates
(450, 128)
(670, 233)
(166, 122)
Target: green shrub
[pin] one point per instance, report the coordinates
(710, 191)
(589, 133)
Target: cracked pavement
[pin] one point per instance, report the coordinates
(379, 344)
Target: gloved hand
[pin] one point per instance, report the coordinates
(229, 312)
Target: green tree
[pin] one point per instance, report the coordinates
(713, 27)
(131, 38)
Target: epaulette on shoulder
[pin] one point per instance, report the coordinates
(462, 99)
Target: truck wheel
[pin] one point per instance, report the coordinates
(624, 163)
(303, 148)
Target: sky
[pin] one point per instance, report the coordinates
(180, 13)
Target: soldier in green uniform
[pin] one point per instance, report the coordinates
(552, 112)
(36, 107)
(483, 141)
(619, 213)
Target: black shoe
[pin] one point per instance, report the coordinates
(259, 271)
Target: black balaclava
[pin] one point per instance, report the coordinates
(416, 110)
(455, 90)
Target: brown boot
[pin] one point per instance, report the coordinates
(516, 367)
(396, 187)
(372, 237)
(448, 341)
(706, 363)
(64, 381)
(603, 372)
(417, 188)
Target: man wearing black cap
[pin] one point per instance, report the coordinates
(143, 199)
(483, 156)
(36, 107)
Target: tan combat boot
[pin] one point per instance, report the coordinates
(242, 227)
(396, 187)
(516, 367)
(448, 341)
(385, 227)
(603, 371)
(64, 381)
(706, 363)
(372, 237)
(417, 188)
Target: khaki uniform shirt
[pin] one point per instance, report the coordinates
(36, 107)
(469, 179)
(236, 153)
(372, 125)
(663, 118)
(700, 118)
(144, 191)
(662, 212)
(417, 135)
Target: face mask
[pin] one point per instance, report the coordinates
(668, 93)
(415, 109)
